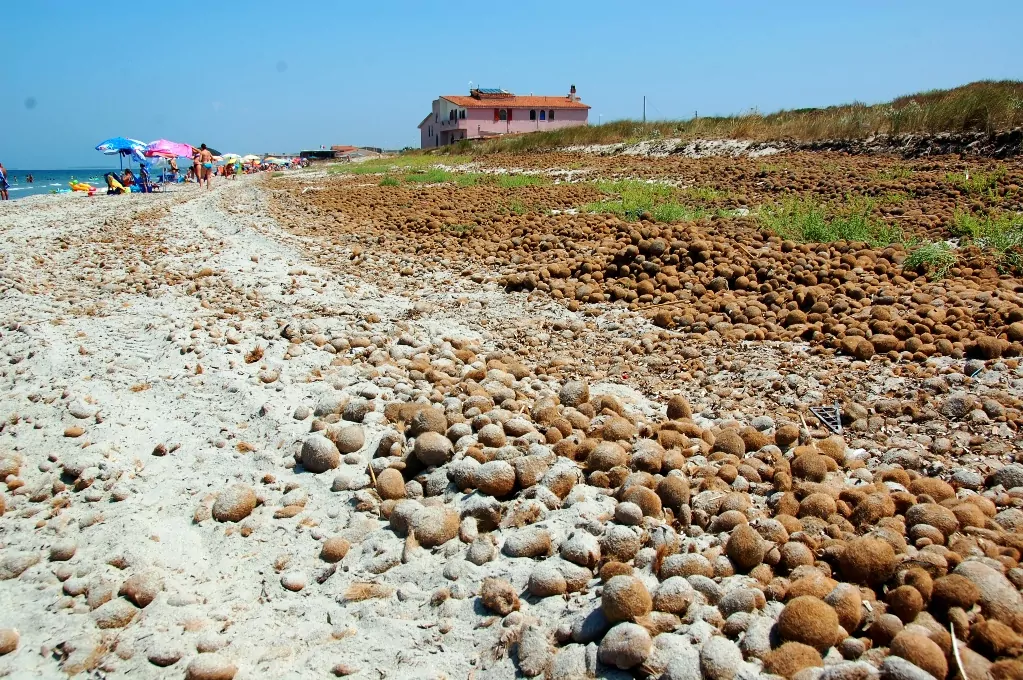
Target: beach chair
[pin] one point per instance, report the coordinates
(145, 184)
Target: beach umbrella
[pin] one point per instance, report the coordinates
(250, 157)
(123, 146)
(211, 150)
(164, 148)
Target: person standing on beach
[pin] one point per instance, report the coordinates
(4, 186)
(197, 166)
(206, 159)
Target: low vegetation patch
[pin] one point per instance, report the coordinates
(1000, 233)
(894, 172)
(459, 228)
(431, 176)
(392, 164)
(935, 258)
(634, 198)
(810, 221)
(979, 182)
(515, 181)
(893, 198)
(517, 207)
(473, 179)
(390, 181)
(707, 194)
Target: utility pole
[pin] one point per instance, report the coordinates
(644, 109)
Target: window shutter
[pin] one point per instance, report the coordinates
(509, 115)
(497, 115)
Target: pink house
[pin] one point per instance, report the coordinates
(493, 112)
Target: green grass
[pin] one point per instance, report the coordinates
(676, 212)
(431, 176)
(707, 194)
(937, 259)
(983, 106)
(978, 182)
(809, 221)
(277, 174)
(894, 172)
(390, 181)
(893, 198)
(517, 207)
(515, 181)
(473, 179)
(1001, 233)
(632, 198)
(393, 164)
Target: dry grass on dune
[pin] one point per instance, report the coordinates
(983, 106)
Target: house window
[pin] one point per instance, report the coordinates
(550, 116)
(532, 114)
(461, 114)
(451, 114)
(502, 114)
(543, 115)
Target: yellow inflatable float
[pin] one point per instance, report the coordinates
(81, 186)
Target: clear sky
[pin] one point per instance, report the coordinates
(277, 76)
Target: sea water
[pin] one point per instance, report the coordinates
(51, 181)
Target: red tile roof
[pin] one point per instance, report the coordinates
(516, 102)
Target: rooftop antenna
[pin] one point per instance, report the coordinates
(470, 86)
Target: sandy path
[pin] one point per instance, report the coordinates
(79, 338)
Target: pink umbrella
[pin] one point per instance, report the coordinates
(167, 149)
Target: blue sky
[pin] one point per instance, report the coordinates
(261, 76)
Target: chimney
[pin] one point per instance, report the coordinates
(571, 95)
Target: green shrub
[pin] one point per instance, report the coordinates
(636, 197)
(390, 181)
(978, 182)
(1000, 233)
(936, 258)
(431, 176)
(809, 221)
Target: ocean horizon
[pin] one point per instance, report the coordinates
(53, 180)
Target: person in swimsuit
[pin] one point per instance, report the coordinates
(143, 181)
(4, 186)
(206, 158)
(174, 169)
(196, 165)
